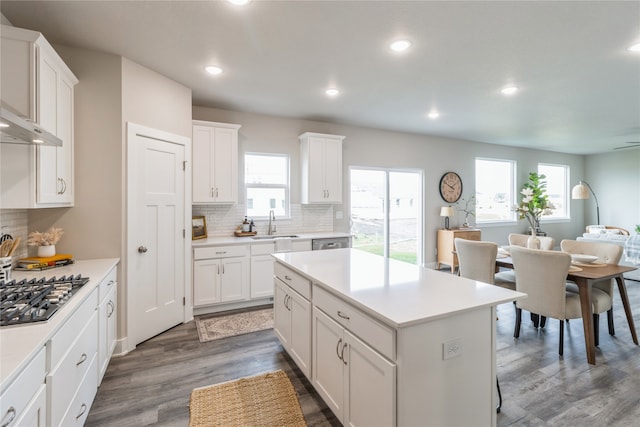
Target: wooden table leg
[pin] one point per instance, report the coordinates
(627, 307)
(584, 288)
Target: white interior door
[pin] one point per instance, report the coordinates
(156, 239)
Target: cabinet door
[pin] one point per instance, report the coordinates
(35, 414)
(316, 170)
(234, 279)
(333, 170)
(261, 276)
(225, 165)
(370, 382)
(281, 313)
(202, 158)
(328, 368)
(205, 282)
(300, 344)
(107, 331)
(47, 91)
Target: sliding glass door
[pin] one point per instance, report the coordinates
(386, 212)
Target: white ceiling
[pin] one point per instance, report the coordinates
(580, 87)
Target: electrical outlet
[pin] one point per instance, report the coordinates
(451, 349)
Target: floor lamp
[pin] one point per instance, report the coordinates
(581, 191)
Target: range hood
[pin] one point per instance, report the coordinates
(18, 130)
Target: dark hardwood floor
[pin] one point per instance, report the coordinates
(152, 384)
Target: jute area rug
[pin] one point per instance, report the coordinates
(213, 328)
(265, 400)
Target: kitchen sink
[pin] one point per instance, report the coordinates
(273, 237)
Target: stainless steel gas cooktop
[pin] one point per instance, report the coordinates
(29, 301)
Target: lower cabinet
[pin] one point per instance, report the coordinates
(106, 322)
(355, 381)
(292, 324)
(24, 401)
(220, 276)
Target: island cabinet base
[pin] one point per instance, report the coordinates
(446, 371)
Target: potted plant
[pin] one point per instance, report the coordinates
(46, 242)
(534, 204)
(468, 209)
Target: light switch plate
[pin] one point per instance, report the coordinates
(451, 349)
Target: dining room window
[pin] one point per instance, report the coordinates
(266, 178)
(495, 190)
(557, 179)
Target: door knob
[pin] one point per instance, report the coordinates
(142, 249)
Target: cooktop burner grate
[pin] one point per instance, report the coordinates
(35, 300)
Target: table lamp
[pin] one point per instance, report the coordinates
(581, 191)
(446, 212)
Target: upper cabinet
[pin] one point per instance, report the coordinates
(37, 85)
(215, 162)
(321, 160)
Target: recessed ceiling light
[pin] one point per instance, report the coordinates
(509, 90)
(634, 48)
(332, 92)
(239, 2)
(433, 114)
(214, 70)
(400, 45)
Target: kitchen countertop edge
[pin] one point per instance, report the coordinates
(234, 240)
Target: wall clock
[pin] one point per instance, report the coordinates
(450, 187)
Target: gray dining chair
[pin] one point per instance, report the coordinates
(601, 291)
(542, 276)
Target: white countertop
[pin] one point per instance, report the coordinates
(234, 240)
(397, 293)
(19, 343)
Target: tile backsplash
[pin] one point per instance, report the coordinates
(222, 220)
(16, 223)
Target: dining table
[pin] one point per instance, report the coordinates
(584, 277)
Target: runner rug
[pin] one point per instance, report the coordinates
(265, 400)
(213, 328)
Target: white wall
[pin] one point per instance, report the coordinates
(373, 147)
(615, 179)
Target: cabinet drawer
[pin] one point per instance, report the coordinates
(297, 282)
(63, 339)
(221, 252)
(14, 400)
(368, 329)
(78, 409)
(263, 249)
(64, 380)
(107, 284)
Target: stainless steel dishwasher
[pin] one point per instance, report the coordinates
(330, 243)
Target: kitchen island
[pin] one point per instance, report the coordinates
(390, 343)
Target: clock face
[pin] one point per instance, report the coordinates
(450, 187)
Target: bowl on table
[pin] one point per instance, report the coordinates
(583, 259)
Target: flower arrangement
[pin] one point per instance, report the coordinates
(535, 203)
(468, 209)
(47, 238)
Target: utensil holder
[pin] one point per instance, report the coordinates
(5, 268)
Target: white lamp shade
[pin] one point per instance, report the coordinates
(446, 211)
(580, 191)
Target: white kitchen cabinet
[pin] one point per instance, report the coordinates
(107, 316)
(38, 85)
(262, 270)
(24, 401)
(321, 161)
(220, 275)
(215, 162)
(355, 381)
(292, 316)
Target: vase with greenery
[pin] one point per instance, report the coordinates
(46, 242)
(535, 203)
(468, 209)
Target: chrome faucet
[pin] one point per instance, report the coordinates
(272, 226)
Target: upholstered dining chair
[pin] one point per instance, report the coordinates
(542, 276)
(507, 279)
(601, 291)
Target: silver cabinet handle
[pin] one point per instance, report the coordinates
(64, 185)
(221, 252)
(142, 249)
(287, 277)
(10, 414)
(111, 282)
(338, 349)
(342, 315)
(342, 354)
(112, 306)
(82, 359)
(83, 409)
